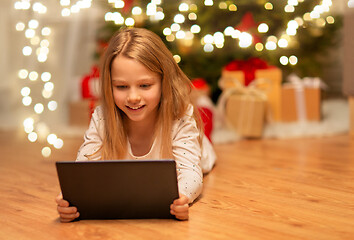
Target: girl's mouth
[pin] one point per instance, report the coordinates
(136, 108)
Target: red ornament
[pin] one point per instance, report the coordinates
(86, 91)
(200, 83)
(207, 118)
(205, 110)
(127, 5)
(248, 24)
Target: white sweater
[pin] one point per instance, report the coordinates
(191, 160)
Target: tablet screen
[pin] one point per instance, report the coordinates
(119, 189)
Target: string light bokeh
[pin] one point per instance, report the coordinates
(188, 11)
(351, 3)
(184, 29)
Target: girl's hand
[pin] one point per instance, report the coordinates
(180, 207)
(67, 214)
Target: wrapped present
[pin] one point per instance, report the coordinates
(272, 89)
(246, 114)
(244, 110)
(301, 100)
(242, 70)
(245, 72)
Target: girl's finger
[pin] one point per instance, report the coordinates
(180, 201)
(67, 210)
(64, 220)
(183, 217)
(180, 208)
(59, 198)
(69, 216)
(180, 216)
(63, 203)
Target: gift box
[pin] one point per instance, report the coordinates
(300, 103)
(246, 114)
(272, 88)
(245, 72)
(242, 71)
(80, 112)
(228, 79)
(244, 110)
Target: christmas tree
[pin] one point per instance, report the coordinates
(206, 35)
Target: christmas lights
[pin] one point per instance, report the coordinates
(36, 37)
(177, 30)
(183, 28)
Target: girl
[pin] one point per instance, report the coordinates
(146, 113)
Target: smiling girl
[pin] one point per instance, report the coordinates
(146, 113)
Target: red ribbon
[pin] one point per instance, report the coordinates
(248, 67)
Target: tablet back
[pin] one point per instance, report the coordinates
(119, 189)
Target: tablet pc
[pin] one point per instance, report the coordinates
(121, 189)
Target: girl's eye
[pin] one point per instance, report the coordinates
(121, 87)
(145, 85)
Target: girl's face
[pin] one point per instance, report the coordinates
(136, 90)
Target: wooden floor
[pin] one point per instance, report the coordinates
(260, 189)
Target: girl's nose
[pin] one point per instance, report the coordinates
(133, 96)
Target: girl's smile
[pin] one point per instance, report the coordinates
(136, 108)
(136, 89)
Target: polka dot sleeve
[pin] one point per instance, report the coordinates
(187, 153)
(92, 138)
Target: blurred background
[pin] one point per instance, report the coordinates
(50, 51)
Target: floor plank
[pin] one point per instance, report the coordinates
(259, 189)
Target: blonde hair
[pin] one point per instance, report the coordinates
(147, 48)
